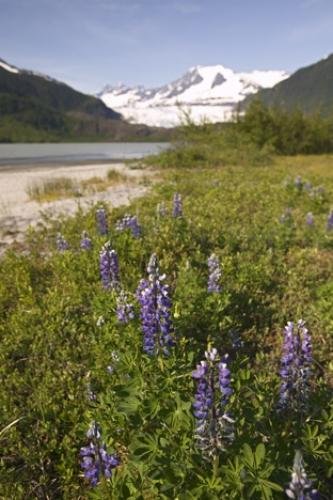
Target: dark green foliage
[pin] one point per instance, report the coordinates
(309, 89)
(37, 109)
(251, 139)
(287, 132)
(55, 346)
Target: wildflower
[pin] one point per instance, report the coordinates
(214, 426)
(214, 274)
(102, 225)
(125, 310)
(109, 268)
(309, 219)
(154, 299)
(96, 462)
(86, 243)
(330, 221)
(177, 205)
(307, 186)
(300, 487)
(295, 369)
(129, 222)
(62, 244)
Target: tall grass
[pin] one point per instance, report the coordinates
(64, 187)
(53, 189)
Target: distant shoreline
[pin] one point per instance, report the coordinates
(57, 163)
(22, 156)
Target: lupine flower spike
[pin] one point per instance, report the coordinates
(86, 243)
(330, 221)
(214, 426)
(214, 274)
(62, 244)
(109, 268)
(102, 225)
(177, 205)
(129, 222)
(96, 462)
(125, 310)
(300, 487)
(155, 304)
(295, 369)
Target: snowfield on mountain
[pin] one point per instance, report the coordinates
(206, 92)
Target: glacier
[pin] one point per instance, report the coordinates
(205, 93)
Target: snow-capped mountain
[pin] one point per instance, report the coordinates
(8, 67)
(206, 92)
(13, 69)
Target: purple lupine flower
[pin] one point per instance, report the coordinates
(109, 267)
(309, 219)
(286, 216)
(214, 426)
(62, 244)
(296, 364)
(177, 205)
(155, 303)
(129, 222)
(329, 225)
(300, 487)
(86, 243)
(214, 274)
(102, 224)
(96, 462)
(224, 380)
(125, 310)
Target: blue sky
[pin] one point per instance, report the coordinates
(89, 43)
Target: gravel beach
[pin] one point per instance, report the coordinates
(18, 212)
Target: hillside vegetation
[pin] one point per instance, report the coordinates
(253, 138)
(244, 251)
(310, 89)
(37, 109)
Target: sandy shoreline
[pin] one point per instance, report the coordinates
(18, 212)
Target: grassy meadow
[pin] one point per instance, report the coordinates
(67, 361)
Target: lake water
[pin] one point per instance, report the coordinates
(30, 154)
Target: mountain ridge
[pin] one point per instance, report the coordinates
(216, 88)
(309, 89)
(35, 107)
